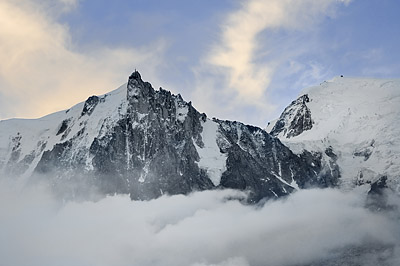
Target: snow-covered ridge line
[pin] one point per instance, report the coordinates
(358, 118)
(41, 134)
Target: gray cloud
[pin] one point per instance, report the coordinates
(310, 227)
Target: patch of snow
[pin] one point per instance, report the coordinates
(89, 163)
(293, 184)
(181, 110)
(145, 172)
(274, 193)
(211, 158)
(141, 116)
(127, 149)
(279, 169)
(239, 136)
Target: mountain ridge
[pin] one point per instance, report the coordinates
(139, 141)
(357, 119)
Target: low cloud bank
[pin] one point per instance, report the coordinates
(311, 227)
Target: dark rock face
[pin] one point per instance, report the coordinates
(334, 168)
(261, 164)
(63, 127)
(378, 196)
(295, 119)
(90, 104)
(378, 186)
(153, 149)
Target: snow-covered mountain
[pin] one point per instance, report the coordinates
(355, 120)
(146, 143)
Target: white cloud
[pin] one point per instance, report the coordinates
(247, 62)
(236, 261)
(71, 3)
(42, 70)
(200, 229)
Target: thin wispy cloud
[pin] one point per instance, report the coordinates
(43, 70)
(244, 62)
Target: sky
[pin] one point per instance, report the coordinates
(234, 59)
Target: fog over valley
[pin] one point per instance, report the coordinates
(309, 227)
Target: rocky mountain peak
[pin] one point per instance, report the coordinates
(295, 119)
(137, 88)
(136, 76)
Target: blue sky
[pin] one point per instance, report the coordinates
(241, 60)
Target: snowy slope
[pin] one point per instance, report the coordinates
(359, 119)
(23, 141)
(211, 158)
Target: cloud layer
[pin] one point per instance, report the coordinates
(204, 228)
(42, 70)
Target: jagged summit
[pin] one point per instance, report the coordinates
(135, 76)
(137, 88)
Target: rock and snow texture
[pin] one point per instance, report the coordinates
(294, 120)
(357, 119)
(23, 141)
(139, 141)
(211, 157)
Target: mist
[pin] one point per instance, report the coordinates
(310, 227)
